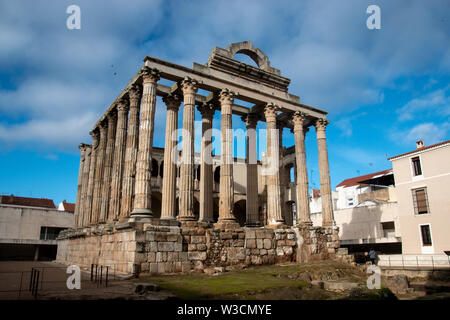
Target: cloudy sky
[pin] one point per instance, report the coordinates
(384, 89)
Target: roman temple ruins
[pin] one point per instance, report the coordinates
(146, 209)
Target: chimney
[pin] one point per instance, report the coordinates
(419, 144)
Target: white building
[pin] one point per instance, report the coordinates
(29, 227)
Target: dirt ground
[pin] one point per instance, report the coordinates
(271, 282)
(15, 284)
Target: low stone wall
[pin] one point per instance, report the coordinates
(171, 246)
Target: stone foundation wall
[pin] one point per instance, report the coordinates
(170, 247)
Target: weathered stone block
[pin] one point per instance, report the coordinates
(267, 244)
(161, 267)
(151, 257)
(197, 255)
(226, 235)
(260, 243)
(166, 246)
(251, 243)
(250, 234)
(198, 239)
(153, 267)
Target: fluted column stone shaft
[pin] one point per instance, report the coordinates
(206, 172)
(186, 186)
(118, 160)
(252, 213)
(99, 170)
(302, 188)
(126, 201)
(143, 193)
(79, 185)
(325, 185)
(107, 166)
(274, 211)
(84, 184)
(168, 203)
(226, 196)
(90, 190)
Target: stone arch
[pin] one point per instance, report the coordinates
(247, 48)
(239, 210)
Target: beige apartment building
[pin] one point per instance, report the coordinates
(422, 182)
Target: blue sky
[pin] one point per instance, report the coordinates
(384, 89)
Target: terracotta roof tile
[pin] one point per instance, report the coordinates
(28, 202)
(420, 149)
(69, 206)
(355, 181)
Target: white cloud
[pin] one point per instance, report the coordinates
(429, 132)
(56, 77)
(436, 103)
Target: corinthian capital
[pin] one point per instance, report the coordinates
(250, 120)
(298, 118)
(226, 96)
(270, 112)
(189, 86)
(172, 101)
(123, 105)
(134, 93)
(94, 134)
(206, 110)
(150, 74)
(321, 124)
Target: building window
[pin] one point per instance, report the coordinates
(350, 201)
(388, 229)
(50, 233)
(426, 235)
(416, 166)
(420, 200)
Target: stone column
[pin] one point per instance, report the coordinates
(84, 184)
(79, 186)
(118, 160)
(274, 213)
(168, 203)
(226, 195)
(325, 186)
(143, 189)
(283, 181)
(303, 212)
(186, 187)
(206, 171)
(107, 166)
(90, 189)
(126, 202)
(252, 214)
(99, 169)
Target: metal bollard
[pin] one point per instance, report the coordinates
(106, 280)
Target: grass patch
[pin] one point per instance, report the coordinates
(242, 284)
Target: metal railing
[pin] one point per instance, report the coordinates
(419, 262)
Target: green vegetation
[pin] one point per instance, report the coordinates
(261, 282)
